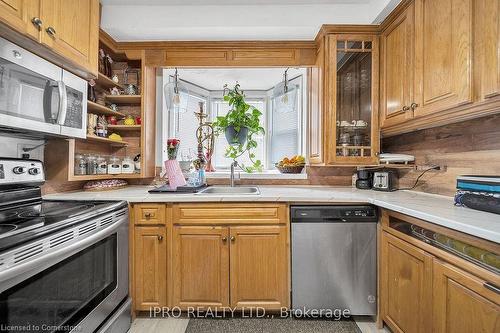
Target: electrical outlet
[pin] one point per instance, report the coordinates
(36, 154)
(439, 168)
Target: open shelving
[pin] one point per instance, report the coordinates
(106, 82)
(124, 99)
(102, 110)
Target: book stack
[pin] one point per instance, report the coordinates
(479, 192)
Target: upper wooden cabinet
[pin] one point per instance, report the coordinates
(352, 100)
(397, 69)
(462, 302)
(486, 50)
(69, 30)
(443, 50)
(22, 16)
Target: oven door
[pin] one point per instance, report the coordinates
(73, 288)
(74, 116)
(31, 91)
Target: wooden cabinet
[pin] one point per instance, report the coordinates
(406, 286)
(150, 267)
(352, 105)
(397, 69)
(68, 28)
(443, 48)
(462, 302)
(433, 279)
(201, 266)
(486, 49)
(258, 261)
(71, 28)
(22, 16)
(221, 258)
(315, 129)
(149, 214)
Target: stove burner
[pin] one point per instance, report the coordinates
(5, 228)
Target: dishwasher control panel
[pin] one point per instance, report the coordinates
(354, 213)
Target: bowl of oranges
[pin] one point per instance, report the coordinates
(291, 165)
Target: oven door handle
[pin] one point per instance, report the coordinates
(42, 262)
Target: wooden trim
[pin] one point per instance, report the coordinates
(327, 29)
(400, 8)
(446, 117)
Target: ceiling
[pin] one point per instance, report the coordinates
(149, 20)
(249, 78)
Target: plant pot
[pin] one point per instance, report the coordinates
(236, 138)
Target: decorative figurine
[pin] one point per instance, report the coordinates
(206, 141)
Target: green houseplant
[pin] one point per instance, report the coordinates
(239, 125)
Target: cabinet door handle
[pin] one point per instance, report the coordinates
(232, 239)
(160, 238)
(406, 108)
(51, 31)
(37, 22)
(413, 106)
(492, 287)
(224, 239)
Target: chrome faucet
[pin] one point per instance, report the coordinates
(231, 179)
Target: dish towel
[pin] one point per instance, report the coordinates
(174, 173)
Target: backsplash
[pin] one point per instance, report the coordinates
(470, 147)
(11, 146)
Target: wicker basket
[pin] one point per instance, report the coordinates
(290, 168)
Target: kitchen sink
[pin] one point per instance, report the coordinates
(228, 190)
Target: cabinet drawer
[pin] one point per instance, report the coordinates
(215, 213)
(149, 214)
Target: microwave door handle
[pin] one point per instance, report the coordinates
(63, 103)
(51, 115)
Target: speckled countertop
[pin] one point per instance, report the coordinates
(432, 208)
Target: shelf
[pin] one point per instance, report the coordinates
(105, 82)
(104, 110)
(106, 140)
(354, 147)
(124, 99)
(102, 177)
(125, 127)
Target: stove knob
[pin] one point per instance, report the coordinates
(34, 171)
(19, 170)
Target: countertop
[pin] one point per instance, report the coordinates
(433, 208)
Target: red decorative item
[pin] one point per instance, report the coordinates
(138, 120)
(172, 148)
(112, 120)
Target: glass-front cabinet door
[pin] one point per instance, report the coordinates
(353, 100)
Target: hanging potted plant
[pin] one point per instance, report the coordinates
(239, 126)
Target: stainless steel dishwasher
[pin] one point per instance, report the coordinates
(334, 258)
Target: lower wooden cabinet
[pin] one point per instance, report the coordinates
(237, 266)
(258, 262)
(150, 267)
(406, 284)
(426, 289)
(462, 303)
(200, 267)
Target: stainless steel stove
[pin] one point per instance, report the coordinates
(63, 264)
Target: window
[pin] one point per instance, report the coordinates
(284, 130)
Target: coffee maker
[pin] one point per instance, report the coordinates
(365, 179)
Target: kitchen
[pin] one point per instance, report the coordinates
(165, 166)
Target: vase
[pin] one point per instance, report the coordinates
(236, 138)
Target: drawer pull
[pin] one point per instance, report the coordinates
(51, 31)
(147, 215)
(37, 22)
(492, 287)
(160, 238)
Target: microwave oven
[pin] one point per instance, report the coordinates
(38, 96)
